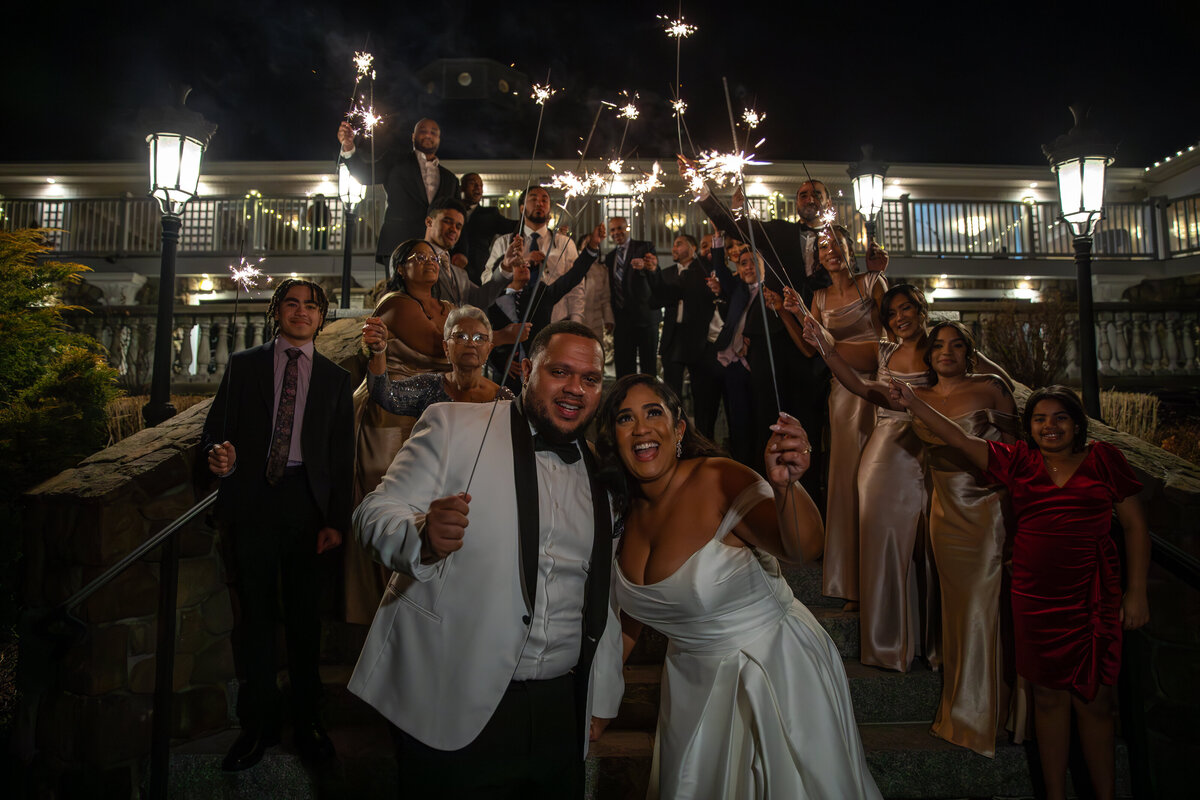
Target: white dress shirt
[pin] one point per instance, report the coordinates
(566, 521)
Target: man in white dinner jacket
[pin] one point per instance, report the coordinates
(481, 651)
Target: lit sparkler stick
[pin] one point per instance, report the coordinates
(752, 118)
(646, 184)
(368, 119)
(616, 166)
(362, 63)
(724, 169)
(246, 276)
(542, 93)
(678, 30)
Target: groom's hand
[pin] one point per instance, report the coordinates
(445, 523)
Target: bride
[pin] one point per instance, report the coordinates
(755, 702)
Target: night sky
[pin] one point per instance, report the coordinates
(984, 83)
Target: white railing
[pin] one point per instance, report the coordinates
(1133, 341)
(920, 228)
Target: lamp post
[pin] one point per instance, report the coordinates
(867, 178)
(177, 140)
(1079, 159)
(352, 192)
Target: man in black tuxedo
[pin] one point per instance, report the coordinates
(483, 224)
(682, 290)
(280, 435)
(413, 182)
(636, 316)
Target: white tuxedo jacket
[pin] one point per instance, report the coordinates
(445, 641)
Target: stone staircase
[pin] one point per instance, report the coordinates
(894, 713)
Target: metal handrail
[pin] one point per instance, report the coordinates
(59, 629)
(112, 572)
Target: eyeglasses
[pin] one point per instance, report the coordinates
(426, 260)
(474, 338)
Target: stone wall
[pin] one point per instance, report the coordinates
(95, 717)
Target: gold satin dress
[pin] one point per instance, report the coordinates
(378, 436)
(898, 591)
(968, 526)
(851, 420)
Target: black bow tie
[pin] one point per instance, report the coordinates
(568, 452)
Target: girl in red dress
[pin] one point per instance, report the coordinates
(1068, 610)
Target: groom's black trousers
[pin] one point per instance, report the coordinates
(529, 748)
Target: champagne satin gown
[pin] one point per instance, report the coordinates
(378, 437)
(968, 526)
(898, 591)
(851, 420)
(755, 701)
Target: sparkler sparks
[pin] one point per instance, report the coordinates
(679, 107)
(724, 168)
(828, 217)
(362, 63)
(575, 185)
(628, 111)
(677, 28)
(542, 93)
(752, 118)
(646, 184)
(616, 166)
(365, 117)
(246, 273)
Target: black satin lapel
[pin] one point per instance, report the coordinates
(595, 605)
(525, 484)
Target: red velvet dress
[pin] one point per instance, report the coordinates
(1066, 584)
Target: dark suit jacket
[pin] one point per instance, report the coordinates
(327, 436)
(684, 341)
(640, 308)
(780, 244)
(543, 297)
(484, 225)
(407, 202)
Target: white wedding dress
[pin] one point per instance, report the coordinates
(755, 702)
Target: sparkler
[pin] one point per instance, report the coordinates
(542, 93)
(366, 117)
(724, 169)
(362, 64)
(752, 118)
(246, 276)
(646, 184)
(677, 29)
(616, 166)
(629, 111)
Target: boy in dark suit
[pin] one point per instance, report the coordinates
(280, 435)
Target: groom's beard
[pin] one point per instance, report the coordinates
(551, 430)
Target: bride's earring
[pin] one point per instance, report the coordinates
(679, 448)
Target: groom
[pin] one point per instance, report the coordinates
(481, 651)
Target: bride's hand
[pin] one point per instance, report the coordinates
(789, 452)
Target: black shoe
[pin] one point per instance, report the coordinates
(249, 748)
(312, 742)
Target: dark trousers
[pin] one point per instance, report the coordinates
(803, 392)
(275, 553)
(706, 388)
(635, 348)
(529, 748)
(739, 412)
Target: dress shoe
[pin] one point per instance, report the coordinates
(249, 748)
(312, 742)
